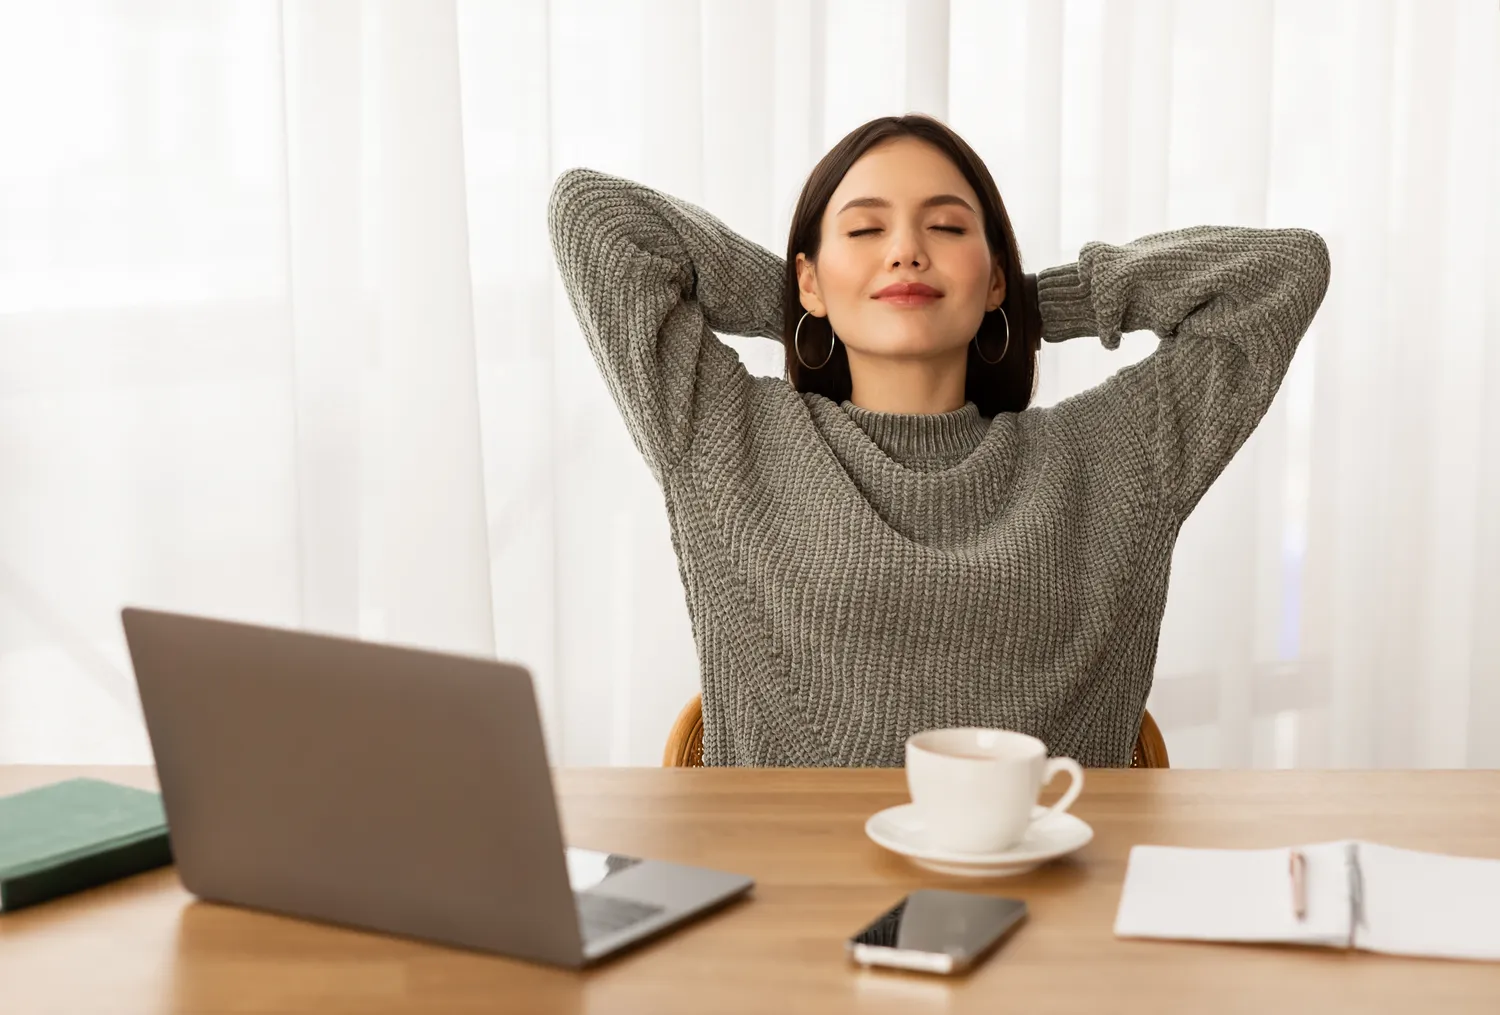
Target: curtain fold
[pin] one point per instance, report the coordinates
(281, 337)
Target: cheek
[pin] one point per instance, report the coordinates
(970, 269)
(842, 278)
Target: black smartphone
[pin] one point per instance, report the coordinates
(935, 931)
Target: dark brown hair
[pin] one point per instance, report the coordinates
(1003, 387)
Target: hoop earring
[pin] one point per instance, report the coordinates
(797, 345)
(1003, 349)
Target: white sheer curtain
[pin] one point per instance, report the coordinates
(281, 337)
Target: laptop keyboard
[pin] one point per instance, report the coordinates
(601, 915)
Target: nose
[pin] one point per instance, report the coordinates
(906, 248)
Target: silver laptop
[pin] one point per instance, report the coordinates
(380, 787)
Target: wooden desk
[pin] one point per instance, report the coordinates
(144, 945)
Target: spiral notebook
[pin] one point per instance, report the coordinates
(1352, 895)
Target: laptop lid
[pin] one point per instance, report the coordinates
(382, 787)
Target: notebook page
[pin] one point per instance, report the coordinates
(1429, 904)
(1233, 895)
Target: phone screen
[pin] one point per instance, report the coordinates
(937, 931)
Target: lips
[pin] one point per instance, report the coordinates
(908, 290)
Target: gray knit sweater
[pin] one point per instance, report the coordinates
(854, 576)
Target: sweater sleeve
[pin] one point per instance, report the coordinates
(1230, 304)
(650, 278)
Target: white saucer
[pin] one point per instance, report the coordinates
(900, 830)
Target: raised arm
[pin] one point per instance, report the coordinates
(1230, 304)
(651, 278)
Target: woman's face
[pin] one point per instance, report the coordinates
(922, 224)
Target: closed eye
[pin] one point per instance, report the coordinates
(957, 230)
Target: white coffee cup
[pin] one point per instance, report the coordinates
(974, 789)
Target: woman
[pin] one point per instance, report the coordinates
(889, 540)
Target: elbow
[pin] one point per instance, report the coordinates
(1298, 269)
(567, 182)
(1314, 266)
(560, 200)
(568, 200)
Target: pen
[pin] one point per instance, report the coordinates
(1298, 869)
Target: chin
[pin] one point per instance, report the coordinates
(910, 348)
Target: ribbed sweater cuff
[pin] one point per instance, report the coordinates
(1065, 301)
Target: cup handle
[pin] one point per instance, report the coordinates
(1075, 772)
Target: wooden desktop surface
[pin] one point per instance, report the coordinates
(144, 945)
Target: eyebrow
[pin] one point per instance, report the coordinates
(931, 202)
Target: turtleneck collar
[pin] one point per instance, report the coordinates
(910, 438)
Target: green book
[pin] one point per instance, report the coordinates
(74, 835)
